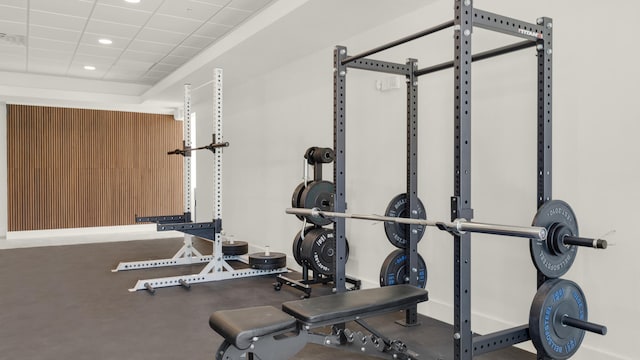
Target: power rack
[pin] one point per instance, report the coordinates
(217, 265)
(538, 35)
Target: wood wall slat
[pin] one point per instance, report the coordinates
(70, 168)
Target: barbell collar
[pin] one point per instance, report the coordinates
(458, 226)
(587, 242)
(584, 325)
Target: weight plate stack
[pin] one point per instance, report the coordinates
(396, 232)
(297, 196)
(394, 270)
(235, 248)
(270, 261)
(297, 243)
(551, 257)
(318, 250)
(318, 194)
(556, 299)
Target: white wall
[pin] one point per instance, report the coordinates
(3, 171)
(270, 120)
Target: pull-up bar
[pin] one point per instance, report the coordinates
(399, 42)
(480, 56)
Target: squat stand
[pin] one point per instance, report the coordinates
(217, 267)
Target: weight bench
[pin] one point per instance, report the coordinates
(266, 333)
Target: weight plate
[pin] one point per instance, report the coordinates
(295, 198)
(551, 257)
(262, 261)
(396, 233)
(394, 270)
(237, 248)
(318, 250)
(318, 194)
(297, 243)
(555, 299)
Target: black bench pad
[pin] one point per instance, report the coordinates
(240, 326)
(355, 304)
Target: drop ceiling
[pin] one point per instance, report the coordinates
(158, 45)
(149, 39)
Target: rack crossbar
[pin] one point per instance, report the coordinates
(380, 66)
(480, 56)
(401, 41)
(506, 25)
(499, 340)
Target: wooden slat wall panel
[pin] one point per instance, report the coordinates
(70, 168)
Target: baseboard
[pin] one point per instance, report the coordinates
(57, 237)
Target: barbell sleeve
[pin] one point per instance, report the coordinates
(457, 226)
(584, 325)
(587, 242)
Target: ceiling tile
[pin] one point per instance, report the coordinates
(156, 74)
(111, 29)
(12, 50)
(148, 46)
(185, 51)
(74, 8)
(141, 56)
(213, 30)
(15, 14)
(53, 33)
(198, 41)
(175, 24)
(120, 15)
(175, 60)
(100, 62)
(77, 69)
(10, 27)
(12, 63)
(156, 35)
(98, 50)
(164, 68)
(15, 3)
(48, 44)
(48, 66)
(230, 17)
(189, 9)
(221, 3)
(132, 65)
(249, 5)
(56, 20)
(124, 74)
(92, 39)
(60, 56)
(146, 5)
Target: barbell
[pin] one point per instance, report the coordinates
(187, 150)
(458, 226)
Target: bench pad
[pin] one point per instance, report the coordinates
(354, 304)
(240, 326)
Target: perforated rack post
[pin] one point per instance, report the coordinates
(466, 17)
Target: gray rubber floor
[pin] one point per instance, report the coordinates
(64, 303)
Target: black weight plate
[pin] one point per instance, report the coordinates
(297, 195)
(555, 299)
(396, 233)
(551, 263)
(318, 194)
(262, 261)
(297, 242)
(318, 250)
(394, 270)
(237, 248)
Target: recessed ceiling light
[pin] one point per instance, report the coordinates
(132, 1)
(89, 67)
(105, 41)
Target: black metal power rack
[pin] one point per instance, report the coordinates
(538, 35)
